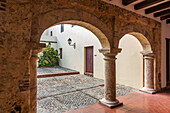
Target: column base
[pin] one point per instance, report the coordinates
(148, 90)
(110, 104)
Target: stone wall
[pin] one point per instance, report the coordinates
(22, 23)
(2, 5)
(15, 27)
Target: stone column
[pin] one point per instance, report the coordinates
(33, 81)
(149, 72)
(110, 78)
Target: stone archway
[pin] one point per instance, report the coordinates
(74, 16)
(108, 28)
(148, 63)
(19, 49)
(102, 32)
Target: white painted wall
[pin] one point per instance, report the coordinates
(129, 64)
(74, 58)
(165, 31)
(46, 37)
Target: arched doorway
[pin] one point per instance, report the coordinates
(129, 63)
(72, 59)
(148, 63)
(102, 39)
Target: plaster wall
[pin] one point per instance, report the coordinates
(164, 33)
(129, 63)
(46, 37)
(75, 58)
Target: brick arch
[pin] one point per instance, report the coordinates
(103, 31)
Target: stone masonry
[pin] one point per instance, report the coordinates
(23, 21)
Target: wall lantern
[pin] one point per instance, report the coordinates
(49, 44)
(70, 41)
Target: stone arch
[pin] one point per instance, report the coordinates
(148, 62)
(142, 33)
(97, 32)
(143, 41)
(103, 31)
(102, 28)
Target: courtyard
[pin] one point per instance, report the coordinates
(64, 93)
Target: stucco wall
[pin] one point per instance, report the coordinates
(129, 64)
(75, 58)
(46, 37)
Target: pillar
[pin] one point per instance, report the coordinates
(36, 48)
(110, 78)
(149, 72)
(33, 81)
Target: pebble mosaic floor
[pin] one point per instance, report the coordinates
(64, 93)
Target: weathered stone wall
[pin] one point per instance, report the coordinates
(22, 23)
(15, 27)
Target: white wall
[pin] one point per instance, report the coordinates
(74, 58)
(129, 64)
(46, 37)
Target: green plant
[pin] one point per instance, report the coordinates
(49, 58)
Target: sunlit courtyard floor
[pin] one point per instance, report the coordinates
(64, 93)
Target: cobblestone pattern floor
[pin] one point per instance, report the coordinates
(49, 70)
(64, 93)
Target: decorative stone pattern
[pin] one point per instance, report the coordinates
(22, 23)
(56, 95)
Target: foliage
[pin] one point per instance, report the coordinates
(49, 58)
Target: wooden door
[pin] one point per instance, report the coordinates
(89, 60)
(168, 61)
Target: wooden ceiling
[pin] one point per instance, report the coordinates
(159, 8)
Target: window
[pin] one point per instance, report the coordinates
(61, 52)
(62, 27)
(51, 33)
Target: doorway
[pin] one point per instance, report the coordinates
(167, 61)
(89, 61)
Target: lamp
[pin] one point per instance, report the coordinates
(70, 41)
(49, 44)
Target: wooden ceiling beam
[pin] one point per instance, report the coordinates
(161, 13)
(127, 2)
(168, 21)
(146, 3)
(157, 7)
(165, 17)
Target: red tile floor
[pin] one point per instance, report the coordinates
(137, 102)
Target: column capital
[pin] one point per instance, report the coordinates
(148, 54)
(37, 49)
(110, 52)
